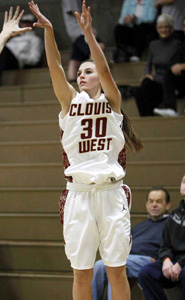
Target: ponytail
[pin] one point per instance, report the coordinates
(131, 137)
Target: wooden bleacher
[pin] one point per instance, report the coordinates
(33, 262)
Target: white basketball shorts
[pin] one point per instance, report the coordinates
(96, 216)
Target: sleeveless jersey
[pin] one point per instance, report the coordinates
(92, 139)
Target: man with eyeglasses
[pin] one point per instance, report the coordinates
(169, 270)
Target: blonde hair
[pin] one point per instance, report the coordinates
(165, 18)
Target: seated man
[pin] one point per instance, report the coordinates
(146, 238)
(169, 270)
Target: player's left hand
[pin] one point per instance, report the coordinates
(84, 19)
(42, 21)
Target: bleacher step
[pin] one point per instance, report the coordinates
(27, 111)
(51, 174)
(36, 285)
(125, 72)
(45, 199)
(51, 151)
(34, 256)
(37, 227)
(46, 110)
(42, 130)
(159, 126)
(29, 131)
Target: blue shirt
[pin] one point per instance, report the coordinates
(147, 237)
(129, 8)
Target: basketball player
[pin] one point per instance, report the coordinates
(96, 213)
(11, 26)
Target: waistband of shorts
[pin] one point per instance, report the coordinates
(80, 187)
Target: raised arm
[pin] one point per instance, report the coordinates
(11, 26)
(107, 82)
(63, 90)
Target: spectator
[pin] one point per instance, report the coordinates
(176, 9)
(162, 54)
(169, 271)
(136, 28)
(80, 49)
(24, 50)
(174, 80)
(146, 238)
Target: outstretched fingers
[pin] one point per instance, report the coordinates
(5, 16)
(89, 14)
(84, 19)
(19, 17)
(42, 21)
(77, 15)
(16, 12)
(34, 8)
(84, 12)
(8, 16)
(10, 13)
(83, 6)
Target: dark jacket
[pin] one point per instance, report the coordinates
(173, 243)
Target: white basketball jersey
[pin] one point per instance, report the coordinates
(93, 140)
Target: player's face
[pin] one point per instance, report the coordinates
(164, 30)
(182, 187)
(156, 205)
(87, 78)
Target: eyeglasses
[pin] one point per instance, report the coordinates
(164, 27)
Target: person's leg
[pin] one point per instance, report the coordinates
(179, 35)
(170, 83)
(182, 282)
(143, 34)
(72, 69)
(114, 227)
(135, 263)
(181, 85)
(119, 283)
(99, 281)
(148, 96)
(82, 284)
(7, 61)
(153, 282)
(123, 38)
(80, 53)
